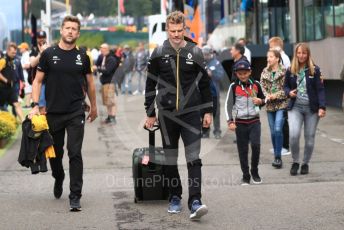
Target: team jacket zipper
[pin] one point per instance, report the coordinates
(177, 80)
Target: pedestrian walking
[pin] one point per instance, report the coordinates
(244, 99)
(272, 82)
(247, 52)
(34, 60)
(177, 72)
(106, 66)
(237, 51)
(305, 87)
(128, 67)
(216, 73)
(8, 77)
(277, 43)
(25, 62)
(66, 70)
(141, 58)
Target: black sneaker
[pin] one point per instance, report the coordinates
(294, 169)
(256, 179)
(113, 120)
(110, 120)
(58, 188)
(304, 169)
(107, 120)
(205, 135)
(75, 205)
(217, 136)
(277, 163)
(245, 181)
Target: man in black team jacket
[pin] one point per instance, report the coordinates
(68, 77)
(177, 70)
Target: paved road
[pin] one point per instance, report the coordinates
(314, 201)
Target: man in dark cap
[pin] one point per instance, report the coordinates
(34, 60)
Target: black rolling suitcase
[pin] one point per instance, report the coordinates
(148, 171)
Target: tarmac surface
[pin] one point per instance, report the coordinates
(313, 201)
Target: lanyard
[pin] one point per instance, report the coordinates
(303, 77)
(273, 87)
(252, 94)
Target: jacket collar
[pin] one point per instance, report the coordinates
(9, 58)
(170, 49)
(245, 84)
(267, 74)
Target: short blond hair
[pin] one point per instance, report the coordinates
(71, 18)
(175, 17)
(276, 40)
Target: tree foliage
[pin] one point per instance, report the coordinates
(90, 39)
(105, 8)
(98, 8)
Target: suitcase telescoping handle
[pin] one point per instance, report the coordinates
(152, 141)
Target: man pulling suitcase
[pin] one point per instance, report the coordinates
(177, 71)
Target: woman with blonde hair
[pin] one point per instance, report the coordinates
(272, 82)
(305, 87)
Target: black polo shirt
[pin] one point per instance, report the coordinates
(65, 77)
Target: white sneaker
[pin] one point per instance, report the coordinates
(136, 92)
(285, 152)
(198, 210)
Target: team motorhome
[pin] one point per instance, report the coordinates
(157, 31)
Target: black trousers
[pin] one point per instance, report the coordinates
(285, 131)
(245, 134)
(74, 124)
(188, 127)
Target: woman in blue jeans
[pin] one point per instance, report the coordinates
(272, 81)
(305, 87)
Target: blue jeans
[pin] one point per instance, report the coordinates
(276, 121)
(126, 85)
(141, 80)
(299, 115)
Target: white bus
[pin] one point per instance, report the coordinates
(157, 31)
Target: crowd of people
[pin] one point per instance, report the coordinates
(176, 79)
(116, 67)
(294, 96)
(183, 82)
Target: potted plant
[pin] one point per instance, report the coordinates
(8, 127)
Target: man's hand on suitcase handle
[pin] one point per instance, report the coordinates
(150, 121)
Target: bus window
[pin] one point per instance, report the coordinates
(154, 28)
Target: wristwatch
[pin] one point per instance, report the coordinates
(33, 104)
